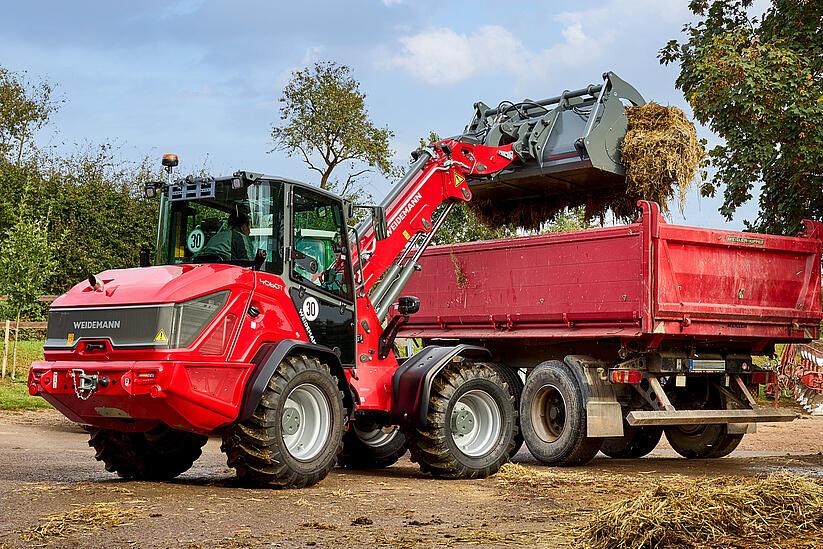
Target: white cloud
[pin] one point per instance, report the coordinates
(443, 57)
(390, 3)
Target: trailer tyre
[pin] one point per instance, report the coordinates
(160, 454)
(371, 447)
(553, 417)
(470, 426)
(293, 437)
(702, 441)
(636, 442)
(512, 379)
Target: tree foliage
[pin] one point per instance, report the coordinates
(758, 83)
(324, 121)
(24, 109)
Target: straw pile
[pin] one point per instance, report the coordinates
(80, 520)
(758, 511)
(661, 155)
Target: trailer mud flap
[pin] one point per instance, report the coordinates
(412, 382)
(604, 416)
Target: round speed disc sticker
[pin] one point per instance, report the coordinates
(195, 240)
(311, 309)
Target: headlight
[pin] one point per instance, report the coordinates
(192, 317)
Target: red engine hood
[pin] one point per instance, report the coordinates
(160, 284)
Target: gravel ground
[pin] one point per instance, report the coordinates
(46, 468)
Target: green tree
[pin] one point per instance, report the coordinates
(757, 81)
(26, 263)
(324, 121)
(24, 108)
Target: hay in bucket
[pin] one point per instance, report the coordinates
(661, 155)
(761, 511)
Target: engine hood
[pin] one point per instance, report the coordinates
(160, 284)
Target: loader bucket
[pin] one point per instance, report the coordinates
(569, 144)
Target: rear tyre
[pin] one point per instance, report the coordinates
(636, 442)
(553, 416)
(371, 447)
(160, 454)
(702, 441)
(296, 432)
(470, 427)
(512, 379)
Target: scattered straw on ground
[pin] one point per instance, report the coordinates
(80, 520)
(759, 511)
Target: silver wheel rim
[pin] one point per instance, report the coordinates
(306, 422)
(548, 413)
(476, 423)
(376, 438)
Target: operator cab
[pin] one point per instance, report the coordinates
(302, 230)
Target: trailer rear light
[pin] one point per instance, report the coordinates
(626, 376)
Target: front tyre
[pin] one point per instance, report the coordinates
(470, 426)
(370, 446)
(295, 434)
(553, 416)
(160, 454)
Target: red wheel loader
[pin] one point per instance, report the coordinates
(263, 317)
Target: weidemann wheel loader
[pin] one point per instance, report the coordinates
(263, 318)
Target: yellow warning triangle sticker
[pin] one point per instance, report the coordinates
(161, 335)
(458, 179)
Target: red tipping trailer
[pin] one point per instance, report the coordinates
(658, 323)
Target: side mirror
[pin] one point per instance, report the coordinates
(378, 217)
(259, 259)
(145, 260)
(408, 305)
(348, 207)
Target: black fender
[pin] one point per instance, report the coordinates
(269, 357)
(412, 382)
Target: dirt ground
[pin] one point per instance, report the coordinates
(46, 468)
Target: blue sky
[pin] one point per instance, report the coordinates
(202, 78)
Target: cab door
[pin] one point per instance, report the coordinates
(320, 270)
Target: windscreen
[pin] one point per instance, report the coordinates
(227, 228)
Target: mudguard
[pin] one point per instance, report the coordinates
(604, 416)
(268, 359)
(412, 382)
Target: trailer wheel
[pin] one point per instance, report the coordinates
(372, 447)
(512, 378)
(702, 441)
(296, 432)
(160, 454)
(636, 442)
(470, 427)
(553, 417)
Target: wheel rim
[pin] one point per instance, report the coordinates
(306, 422)
(375, 438)
(476, 423)
(548, 413)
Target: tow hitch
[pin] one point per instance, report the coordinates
(87, 384)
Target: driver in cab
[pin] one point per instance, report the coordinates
(232, 243)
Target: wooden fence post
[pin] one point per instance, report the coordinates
(6, 349)
(14, 353)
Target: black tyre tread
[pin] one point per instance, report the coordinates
(428, 445)
(717, 444)
(160, 454)
(512, 379)
(582, 448)
(251, 446)
(635, 443)
(357, 455)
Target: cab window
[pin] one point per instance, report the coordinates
(318, 243)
